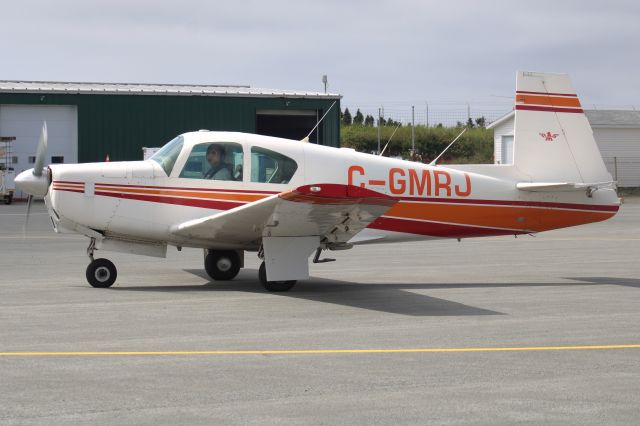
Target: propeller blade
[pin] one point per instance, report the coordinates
(41, 153)
(26, 219)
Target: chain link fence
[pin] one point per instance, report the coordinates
(625, 170)
(446, 114)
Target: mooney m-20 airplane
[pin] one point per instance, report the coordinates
(229, 193)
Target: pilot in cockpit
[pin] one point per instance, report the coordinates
(219, 169)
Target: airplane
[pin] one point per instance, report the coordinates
(229, 193)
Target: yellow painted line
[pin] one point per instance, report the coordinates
(321, 351)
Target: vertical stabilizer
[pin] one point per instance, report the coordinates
(553, 140)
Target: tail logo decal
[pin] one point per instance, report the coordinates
(549, 137)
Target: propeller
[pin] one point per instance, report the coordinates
(41, 153)
(33, 181)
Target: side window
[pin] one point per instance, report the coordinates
(215, 161)
(271, 167)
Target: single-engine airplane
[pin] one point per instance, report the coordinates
(228, 193)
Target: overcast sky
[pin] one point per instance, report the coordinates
(392, 52)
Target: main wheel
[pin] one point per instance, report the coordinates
(222, 265)
(101, 273)
(273, 285)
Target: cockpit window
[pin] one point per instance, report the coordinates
(271, 167)
(214, 160)
(168, 154)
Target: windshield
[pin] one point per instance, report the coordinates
(168, 155)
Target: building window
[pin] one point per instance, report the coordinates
(57, 159)
(14, 159)
(32, 159)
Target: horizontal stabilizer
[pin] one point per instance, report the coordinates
(559, 186)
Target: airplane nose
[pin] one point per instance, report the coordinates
(32, 184)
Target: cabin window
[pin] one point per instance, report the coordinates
(168, 154)
(215, 161)
(271, 167)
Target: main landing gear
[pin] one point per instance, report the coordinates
(273, 285)
(101, 273)
(222, 265)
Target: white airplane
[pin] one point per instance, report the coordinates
(229, 193)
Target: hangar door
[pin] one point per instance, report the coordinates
(25, 123)
(289, 124)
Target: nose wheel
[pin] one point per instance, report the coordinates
(101, 273)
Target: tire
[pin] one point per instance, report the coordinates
(222, 265)
(273, 285)
(101, 273)
(8, 199)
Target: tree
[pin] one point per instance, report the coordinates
(346, 117)
(481, 121)
(358, 118)
(368, 121)
(470, 123)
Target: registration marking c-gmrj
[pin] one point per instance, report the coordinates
(231, 193)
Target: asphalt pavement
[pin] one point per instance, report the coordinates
(542, 329)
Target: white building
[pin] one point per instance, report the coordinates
(617, 133)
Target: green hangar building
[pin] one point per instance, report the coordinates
(90, 121)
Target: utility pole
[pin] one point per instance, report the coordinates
(325, 80)
(413, 130)
(379, 122)
(427, 105)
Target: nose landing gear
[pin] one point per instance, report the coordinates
(101, 273)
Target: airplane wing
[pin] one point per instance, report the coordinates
(332, 212)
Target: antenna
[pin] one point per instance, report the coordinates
(306, 138)
(433, 163)
(387, 144)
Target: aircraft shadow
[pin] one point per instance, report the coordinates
(625, 282)
(396, 298)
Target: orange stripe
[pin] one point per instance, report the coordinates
(520, 218)
(193, 194)
(547, 100)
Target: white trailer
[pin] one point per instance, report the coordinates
(7, 174)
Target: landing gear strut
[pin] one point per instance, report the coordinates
(273, 285)
(222, 265)
(101, 273)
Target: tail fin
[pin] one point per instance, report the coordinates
(553, 141)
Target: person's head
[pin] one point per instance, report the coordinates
(215, 154)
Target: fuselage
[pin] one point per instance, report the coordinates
(142, 200)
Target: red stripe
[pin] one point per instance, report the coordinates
(206, 204)
(573, 95)
(436, 229)
(568, 206)
(187, 188)
(552, 109)
(69, 190)
(68, 182)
